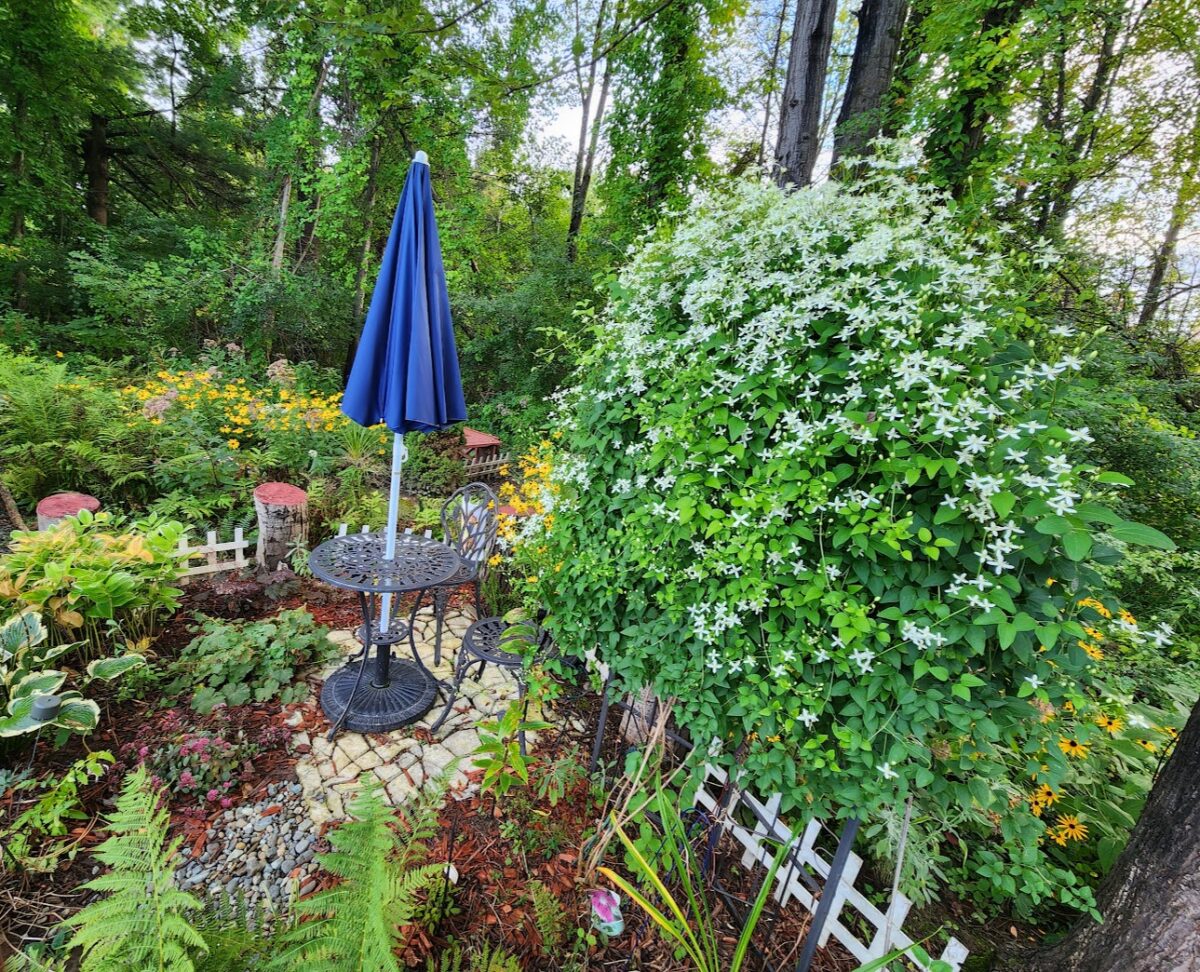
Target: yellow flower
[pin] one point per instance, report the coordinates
(1148, 745)
(1092, 650)
(1111, 724)
(233, 443)
(531, 580)
(1046, 794)
(58, 354)
(1072, 747)
(1069, 828)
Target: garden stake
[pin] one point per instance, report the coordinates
(828, 893)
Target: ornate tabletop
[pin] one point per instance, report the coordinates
(356, 562)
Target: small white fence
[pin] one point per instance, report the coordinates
(485, 469)
(216, 556)
(210, 551)
(848, 902)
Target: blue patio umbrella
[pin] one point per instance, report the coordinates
(405, 372)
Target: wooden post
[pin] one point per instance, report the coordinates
(58, 506)
(282, 521)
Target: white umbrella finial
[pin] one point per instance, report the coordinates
(421, 157)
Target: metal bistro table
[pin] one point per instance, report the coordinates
(397, 691)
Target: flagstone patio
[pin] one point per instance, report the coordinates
(404, 759)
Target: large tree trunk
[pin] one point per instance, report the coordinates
(800, 112)
(95, 167)
(360, 273)
(772, 77)
(1151, 899)
(880, 27)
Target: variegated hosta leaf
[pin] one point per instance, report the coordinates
(78, 714)
(109, 668)
(25, 629)
(19, 721)
(38, 683)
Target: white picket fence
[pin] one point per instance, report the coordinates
(210, 551)
(485, 469)
(769, 833)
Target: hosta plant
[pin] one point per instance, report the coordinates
(96, 577)
(812, 483)
(26, 673)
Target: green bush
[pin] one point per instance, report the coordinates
(235, 662)
(98, 577)
(813, 486)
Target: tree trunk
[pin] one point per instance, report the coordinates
(17, 219)
(360, 274)
(800, 111)
(958, 134)
(1151, 898)
(908, 62)
(589, 129)
(772, 72)
(282, 524)
(880, 27)
(1164, 258)
(95, 167)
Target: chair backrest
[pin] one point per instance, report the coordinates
(469, 521)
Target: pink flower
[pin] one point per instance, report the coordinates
(211, 795)
(186, 780)
(143, 752)
(226, 802)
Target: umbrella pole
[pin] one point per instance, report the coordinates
(393, 518)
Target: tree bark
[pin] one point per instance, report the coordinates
(772, 71)
(360, 273)
(880, 27)
(589, 128)
(800, 111)
(17, 218)
(1151, 899)
(95, 167)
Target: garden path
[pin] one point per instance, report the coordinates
(404, 759)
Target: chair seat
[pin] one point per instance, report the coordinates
(495, 641)
(466, 573)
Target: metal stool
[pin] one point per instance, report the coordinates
(494, 641)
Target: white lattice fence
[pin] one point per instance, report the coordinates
(482, 469)
(848, 902)
(211, 554)
(344, 528)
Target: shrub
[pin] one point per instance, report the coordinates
(232, 663)
(96, 576)
(813, 486)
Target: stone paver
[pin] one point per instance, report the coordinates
(329, 773)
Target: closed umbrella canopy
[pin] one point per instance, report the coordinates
(405, 371)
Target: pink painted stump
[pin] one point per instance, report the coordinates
(57, 507)
(282, 521)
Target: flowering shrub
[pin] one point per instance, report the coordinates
(206, 764)
(813, 487)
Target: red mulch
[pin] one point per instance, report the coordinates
(497, 852)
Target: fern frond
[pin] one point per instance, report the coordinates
(355, 926)
(141, 924)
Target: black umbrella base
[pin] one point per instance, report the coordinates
(409, 694)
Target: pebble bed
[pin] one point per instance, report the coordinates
(260, 853)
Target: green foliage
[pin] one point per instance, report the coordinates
(685, 922)
(99, 576)
(378, 855)
(550, 917)
(499, 751)
(492, 958)
(811, 456)
(25, 655)
(561, 774)
(142, 921)
(235, 662)
(33, 837)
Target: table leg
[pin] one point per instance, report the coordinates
(383, 652)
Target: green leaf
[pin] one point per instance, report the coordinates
(1077, 544)
(1146, 536)
(106, 669)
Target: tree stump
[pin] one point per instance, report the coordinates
(56, 507)
(282, 521)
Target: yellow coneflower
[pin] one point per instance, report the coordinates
(1070, 828)
(1149, 745)
(1072, 747)
(1046, 794)
(1111, 724)
(1092, 650)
